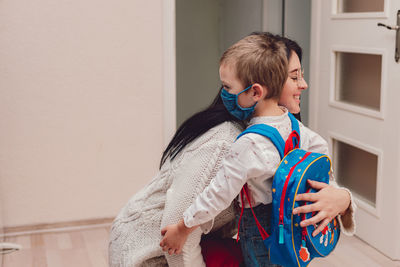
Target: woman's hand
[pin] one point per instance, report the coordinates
(328, 202)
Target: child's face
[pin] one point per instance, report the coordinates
(233, 85)
(294, 85)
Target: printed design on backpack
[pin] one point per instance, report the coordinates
(303, 253)
(289, 244)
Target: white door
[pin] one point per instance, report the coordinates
(355, 104)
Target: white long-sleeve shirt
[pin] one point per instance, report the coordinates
(253, 159)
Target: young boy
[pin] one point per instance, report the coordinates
(253, 72)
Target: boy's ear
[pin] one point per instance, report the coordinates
(258, 91)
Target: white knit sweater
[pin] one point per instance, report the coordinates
(135, 233)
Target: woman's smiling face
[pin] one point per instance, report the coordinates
(294, 85)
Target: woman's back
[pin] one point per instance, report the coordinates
(135, 234)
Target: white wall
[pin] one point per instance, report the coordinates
(80, 104)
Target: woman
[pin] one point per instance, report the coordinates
(330, 200)
(188, 164)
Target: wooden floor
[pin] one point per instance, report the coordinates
(353, 252)
(84, 248)
(88, 248)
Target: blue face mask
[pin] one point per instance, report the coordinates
(231, 103)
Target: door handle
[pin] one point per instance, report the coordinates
(397, 29)
(389, 27)
(9, 247)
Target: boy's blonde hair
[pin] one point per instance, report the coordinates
(259, 59)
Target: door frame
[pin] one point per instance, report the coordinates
(314, 64)
(169, 70)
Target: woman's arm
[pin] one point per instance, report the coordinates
(331, 200)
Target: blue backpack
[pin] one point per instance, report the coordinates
(289, 244)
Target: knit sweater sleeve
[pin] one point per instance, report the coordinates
(195, 171)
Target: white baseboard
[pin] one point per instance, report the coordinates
(56, 227)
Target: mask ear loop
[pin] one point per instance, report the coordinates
(237, 99)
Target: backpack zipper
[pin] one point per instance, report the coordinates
(283, 197)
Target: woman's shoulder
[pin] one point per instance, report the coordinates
(225, 132)
(311, 140)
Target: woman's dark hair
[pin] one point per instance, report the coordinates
(197, 125)
(290, 46)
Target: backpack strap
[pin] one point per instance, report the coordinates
(262, 231)
(270, 132)
(283, 148)
(295, 123)
(293, 140)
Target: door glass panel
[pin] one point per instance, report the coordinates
(356, 169)
(351, 6)
(358, 79)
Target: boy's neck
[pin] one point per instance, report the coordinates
(268, 107)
